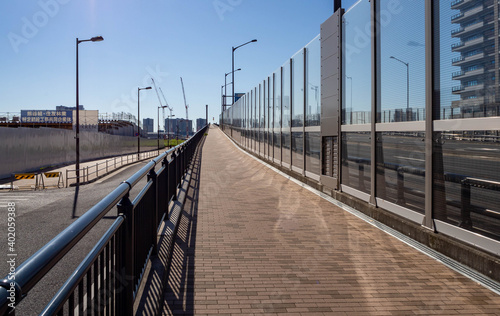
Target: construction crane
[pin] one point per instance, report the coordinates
(187, 106)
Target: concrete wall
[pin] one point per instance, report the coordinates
(29, 149)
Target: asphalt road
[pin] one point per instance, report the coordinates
(41, 215)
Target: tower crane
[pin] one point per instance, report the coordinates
(163, 110)
(187, 106)
(168, 121)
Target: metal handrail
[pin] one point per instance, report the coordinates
(31, 271)
(85, 172)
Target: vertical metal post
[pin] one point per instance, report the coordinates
(304, 116)
(77, 124)
(154, 218)
(126, 299)
(375, 28)
(429, 111)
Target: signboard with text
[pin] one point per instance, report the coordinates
(47, 116)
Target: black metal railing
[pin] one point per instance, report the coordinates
(106, 281)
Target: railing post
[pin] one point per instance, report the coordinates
(466, 221)
(126, 297)
(164, 163)
(107, 166)
(96, 170)
(401, 187)
(154, 217)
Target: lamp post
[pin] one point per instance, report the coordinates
(235, 48)
(224, 96)
(168, 126)
(163, 106)
(77, 125)
(407, 85)
(225, 84)
(138, 122)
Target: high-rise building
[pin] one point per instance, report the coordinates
(200, 123)
(148, 125)
(177, 126)
(478, 45)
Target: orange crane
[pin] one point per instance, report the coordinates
(187, 106)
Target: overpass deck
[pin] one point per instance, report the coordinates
(251, 241)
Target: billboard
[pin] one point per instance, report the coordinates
(46, 116)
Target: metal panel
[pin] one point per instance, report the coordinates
(485, 243)
(26, 149)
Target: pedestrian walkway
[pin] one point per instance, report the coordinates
(252, 242)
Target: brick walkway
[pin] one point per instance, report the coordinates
(252, 242)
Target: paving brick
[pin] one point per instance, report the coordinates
(255, 242)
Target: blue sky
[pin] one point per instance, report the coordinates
(164, 39)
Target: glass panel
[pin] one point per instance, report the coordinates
(266, 117)
(401, 169)
(402, 62)
(277, 114)
(270, 110)
(356, 161)
(262, 117)
(285, 131)
(468, 77)
(313, 152)
(313, 69)
(298, 89)
(467, 180)
(298, 149)
(356, 107)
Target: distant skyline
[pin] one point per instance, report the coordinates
(163, 39)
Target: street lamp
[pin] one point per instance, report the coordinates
(138, 122)
(235, 48)
(77, 138)
(168, 126)
(162, 107)
(407, 85)
(225, 84)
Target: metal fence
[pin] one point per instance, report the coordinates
(107, 280)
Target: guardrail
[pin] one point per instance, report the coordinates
(102, 168)
(106, 281)
(466, 183)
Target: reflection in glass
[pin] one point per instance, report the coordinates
(313, 152)
(356, 107)
(401, 169)
(298, 149)
(286, 111)
(468, 49)
(356, 160)
(277, 114)
(470, 167)
(313, 86)
(402, 62)
(298, 89)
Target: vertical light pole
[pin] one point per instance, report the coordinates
(168, 126)
(235, 48)
(162, 107)
(225, 84)
(77, 125)
(138, 122)
(407, 85)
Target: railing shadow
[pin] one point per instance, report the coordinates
(179, 288)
